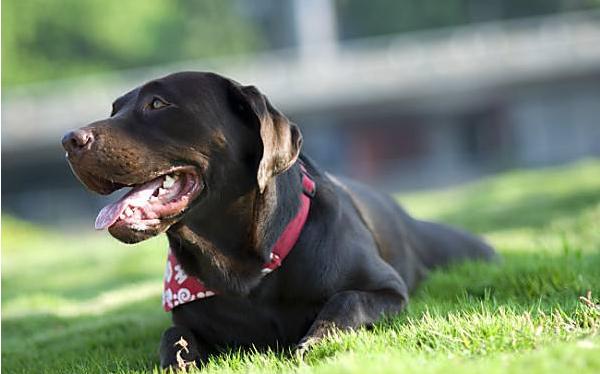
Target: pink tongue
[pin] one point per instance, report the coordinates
(138, 196)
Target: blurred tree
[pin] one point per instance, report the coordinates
(43, 40)
(359, 18)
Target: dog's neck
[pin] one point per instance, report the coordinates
(228, 250)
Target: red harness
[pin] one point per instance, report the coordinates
(179, 288)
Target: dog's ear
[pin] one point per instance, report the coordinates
(281, 139)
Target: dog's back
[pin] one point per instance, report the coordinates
(411, 246)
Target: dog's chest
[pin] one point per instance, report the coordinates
(238, 322)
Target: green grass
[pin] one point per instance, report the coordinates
(85, 303)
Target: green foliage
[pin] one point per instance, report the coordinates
(388, 17)
(44, 40)
(85, 303)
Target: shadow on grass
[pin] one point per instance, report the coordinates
(522, 281)
(481, 214)
(130, 335)
(74, 291)
(119, 340)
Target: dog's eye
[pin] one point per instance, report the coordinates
(158, 103)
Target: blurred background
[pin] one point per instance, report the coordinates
(405, 95)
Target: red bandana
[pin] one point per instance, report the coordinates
(179, 288)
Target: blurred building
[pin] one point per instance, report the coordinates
(413, 110)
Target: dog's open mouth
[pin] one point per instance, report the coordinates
(150, 203)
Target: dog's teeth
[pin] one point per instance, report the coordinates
(128, 212)
(122, 216)
(169, 182)
(161, 191)
(153, 198)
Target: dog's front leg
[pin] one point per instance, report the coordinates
(179, 349)
(352, 309)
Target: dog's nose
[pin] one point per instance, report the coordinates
(77, 141)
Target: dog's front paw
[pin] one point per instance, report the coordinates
(183, 359)
(179, 351)
(305, 345)
(318, 331)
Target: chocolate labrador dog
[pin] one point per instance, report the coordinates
(266, 249)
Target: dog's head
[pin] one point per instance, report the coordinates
(186, 142)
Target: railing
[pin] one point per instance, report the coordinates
(417, 65)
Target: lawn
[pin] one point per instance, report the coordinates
(84, 303)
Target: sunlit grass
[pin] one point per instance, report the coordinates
(85, 303)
